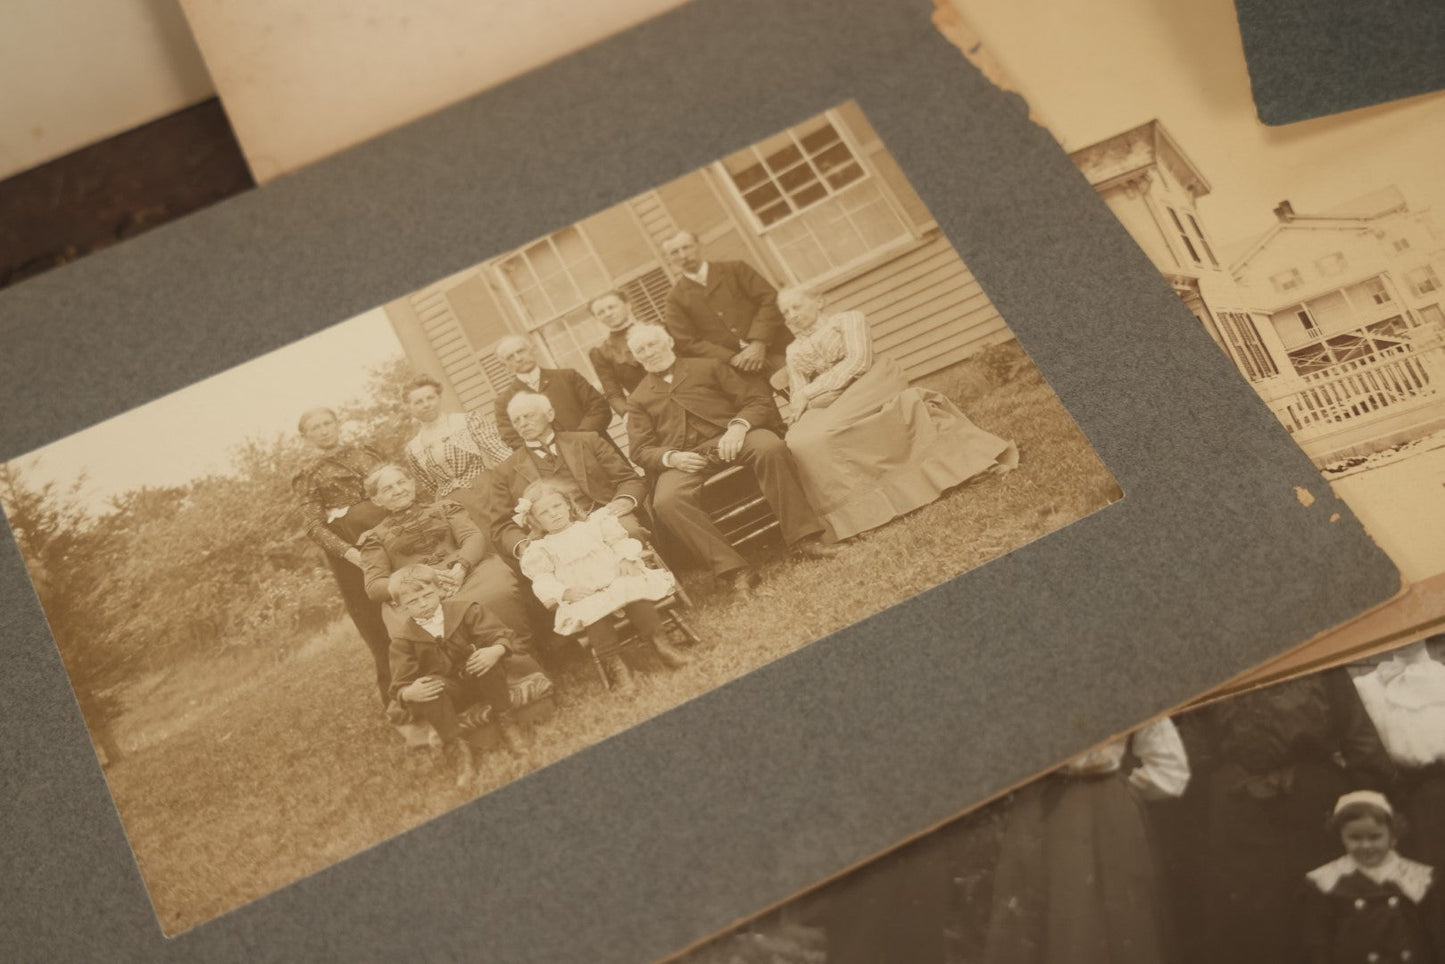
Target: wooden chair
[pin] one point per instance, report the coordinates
(736, 506)
(668, 608)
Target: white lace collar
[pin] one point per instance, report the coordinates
(1413, 878)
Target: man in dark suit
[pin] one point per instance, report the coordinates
(688, 417)
(578, 406)
(723, 310)
(580, 459)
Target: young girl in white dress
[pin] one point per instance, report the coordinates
(587, 568)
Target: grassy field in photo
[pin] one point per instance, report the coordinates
(245, 772)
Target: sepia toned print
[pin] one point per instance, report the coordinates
(1332, 313)
(316, 600)
(1300, 822)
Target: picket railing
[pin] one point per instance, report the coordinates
(1355, 391)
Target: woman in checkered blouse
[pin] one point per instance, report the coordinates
(451, 452)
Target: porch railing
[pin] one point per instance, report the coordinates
(1356, 390)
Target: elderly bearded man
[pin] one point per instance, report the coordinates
(687, 418)
(580, 460)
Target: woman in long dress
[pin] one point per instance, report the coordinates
(443, 536)
(1077, 879)
(331, 488)
(869, 446)
(451, 452)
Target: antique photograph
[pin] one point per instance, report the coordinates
(1300, 822)
(1331, 308)
(322, 597)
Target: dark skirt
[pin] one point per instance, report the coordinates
(1077, 879)
(364, 611)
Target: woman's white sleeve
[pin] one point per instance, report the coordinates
(1163, 770)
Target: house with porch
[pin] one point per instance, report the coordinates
(821, 203)
(1335, 319)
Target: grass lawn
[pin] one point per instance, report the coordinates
(246, 775)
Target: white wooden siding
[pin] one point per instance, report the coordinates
(924, 307)
(454, 352)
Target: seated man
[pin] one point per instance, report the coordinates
(580, 459)
(688, 418)
(578, 407)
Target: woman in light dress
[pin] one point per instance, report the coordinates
(870, 447)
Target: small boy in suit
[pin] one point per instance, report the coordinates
(453, 666)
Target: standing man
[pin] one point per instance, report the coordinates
(723, 310)
(577, 405)
(691, 416)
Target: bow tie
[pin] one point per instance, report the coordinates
(546, 448)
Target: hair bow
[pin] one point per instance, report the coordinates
(522, 510)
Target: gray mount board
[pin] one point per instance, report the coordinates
(1309, 58)
(736, 800)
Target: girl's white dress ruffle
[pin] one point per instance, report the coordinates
(589, 555)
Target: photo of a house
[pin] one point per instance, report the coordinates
(1333, 316)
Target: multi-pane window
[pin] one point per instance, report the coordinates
(1308, 320)
(792, 171)
(553, 276)
(1400, 244)
(1246, 346)
(1331, 264)
(1423, 280)
(814, 199)
(1376, 291)
(1287, 280)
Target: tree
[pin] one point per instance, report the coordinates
(65, 555)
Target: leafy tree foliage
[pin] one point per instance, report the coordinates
(184, 572)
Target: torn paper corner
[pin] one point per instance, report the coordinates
(957, 31)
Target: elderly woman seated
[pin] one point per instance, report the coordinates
(869, 447)
(440, 535)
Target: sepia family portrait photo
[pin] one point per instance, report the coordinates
(1304, 821)
(318, 599)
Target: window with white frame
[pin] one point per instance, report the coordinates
(1423, 280)
(812, 196)
(1286, 280)
(1184, 237)
(554, 275)
(1199, 236)
(552, 281)
(1331, 264)
(1376, 291)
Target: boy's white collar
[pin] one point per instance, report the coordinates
(1413, 878)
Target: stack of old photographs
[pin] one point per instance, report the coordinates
(602, 511)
